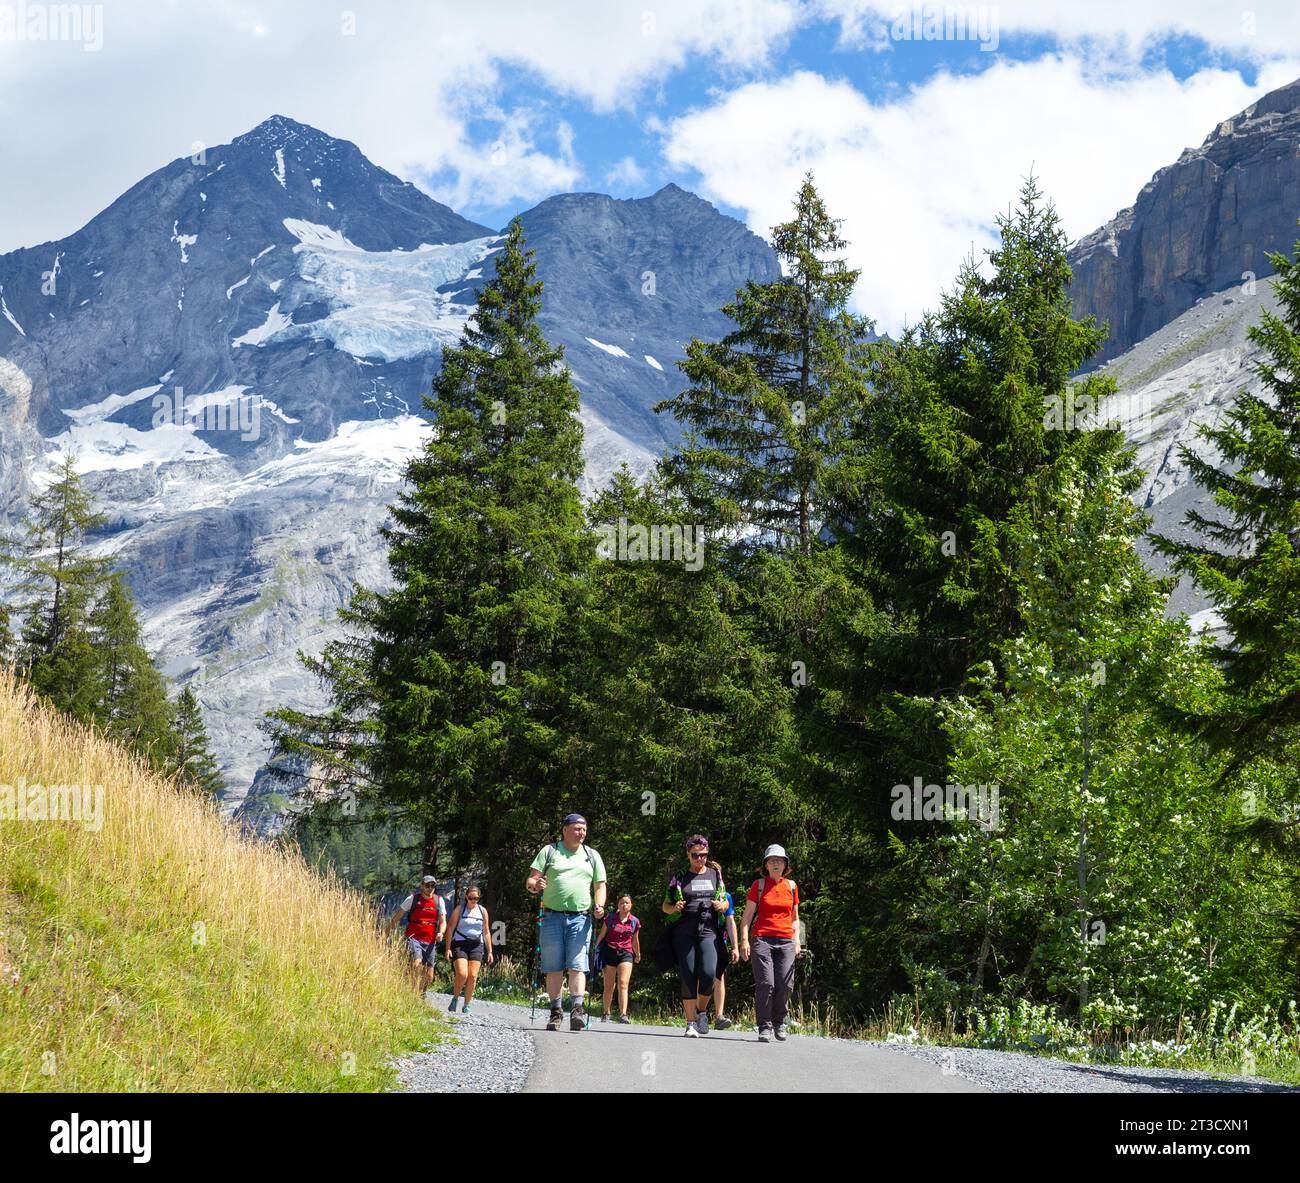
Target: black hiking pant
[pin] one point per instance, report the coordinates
(696, 946)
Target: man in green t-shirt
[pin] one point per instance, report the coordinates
(570, 876)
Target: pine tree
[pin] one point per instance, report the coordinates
(57, 580)
(453, 703)
(55, 586)
(686, 712)
(1247, 559)
(966, 443)
(6, 636)
(767, 401)
(133, 706)
(192, 758)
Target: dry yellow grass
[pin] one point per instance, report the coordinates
(164, 951)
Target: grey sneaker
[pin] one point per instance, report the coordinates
(702, 1023)
(691, 1032)
(721, 1022)
(577, 1019)
(765, 1035)
(557, 1017)
(780, 1033)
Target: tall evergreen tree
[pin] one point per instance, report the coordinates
(133, 705)
(766, 401)
(6, 636)
(456, 697)
(1247, 558)
(191, 756)
(972, 419)
(56, 583)
(57, 579)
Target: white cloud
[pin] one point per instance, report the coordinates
(626, 174)
(406, 82)
(918, 180)
(510, 167)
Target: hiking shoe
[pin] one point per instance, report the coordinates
(691, 1032)
(702, 1023)
(780, 1033)
(604, 1016)
(557, 1017)
(464, 1010)
(721, 1022)
(765, 1035)
(624, 1019)
(577, 1019)
(454, 1000)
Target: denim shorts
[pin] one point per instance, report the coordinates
(564, 939)
(425, 952)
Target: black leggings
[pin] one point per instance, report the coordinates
(697, 956)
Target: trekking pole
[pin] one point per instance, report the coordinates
(591, 960)
(537, 962)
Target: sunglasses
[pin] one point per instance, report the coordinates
(699, 854)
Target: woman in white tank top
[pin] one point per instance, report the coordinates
(469, 944)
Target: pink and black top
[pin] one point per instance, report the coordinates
(618, 932)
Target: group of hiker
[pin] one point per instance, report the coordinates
(468, 936)
(703, 938)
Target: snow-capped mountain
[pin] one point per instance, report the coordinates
(236, 351)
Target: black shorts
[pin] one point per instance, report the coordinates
(610, 956)
(469, 950)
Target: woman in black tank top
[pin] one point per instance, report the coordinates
(693, 897)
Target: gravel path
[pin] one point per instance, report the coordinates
(1016, 1072)
(493, 1050)
(486, 1053)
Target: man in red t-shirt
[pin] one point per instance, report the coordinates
(772, 908)
(426, 921)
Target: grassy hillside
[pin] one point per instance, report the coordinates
(163, 952)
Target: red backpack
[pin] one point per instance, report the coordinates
(423, 917)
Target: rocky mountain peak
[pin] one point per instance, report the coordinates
(1199, 225)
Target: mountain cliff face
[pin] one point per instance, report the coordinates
(236, 351)
(1199, 225)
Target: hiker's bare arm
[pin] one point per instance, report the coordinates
(451, 927)
(535, 882)
(601, 888)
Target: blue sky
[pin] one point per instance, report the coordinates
(916, 143)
